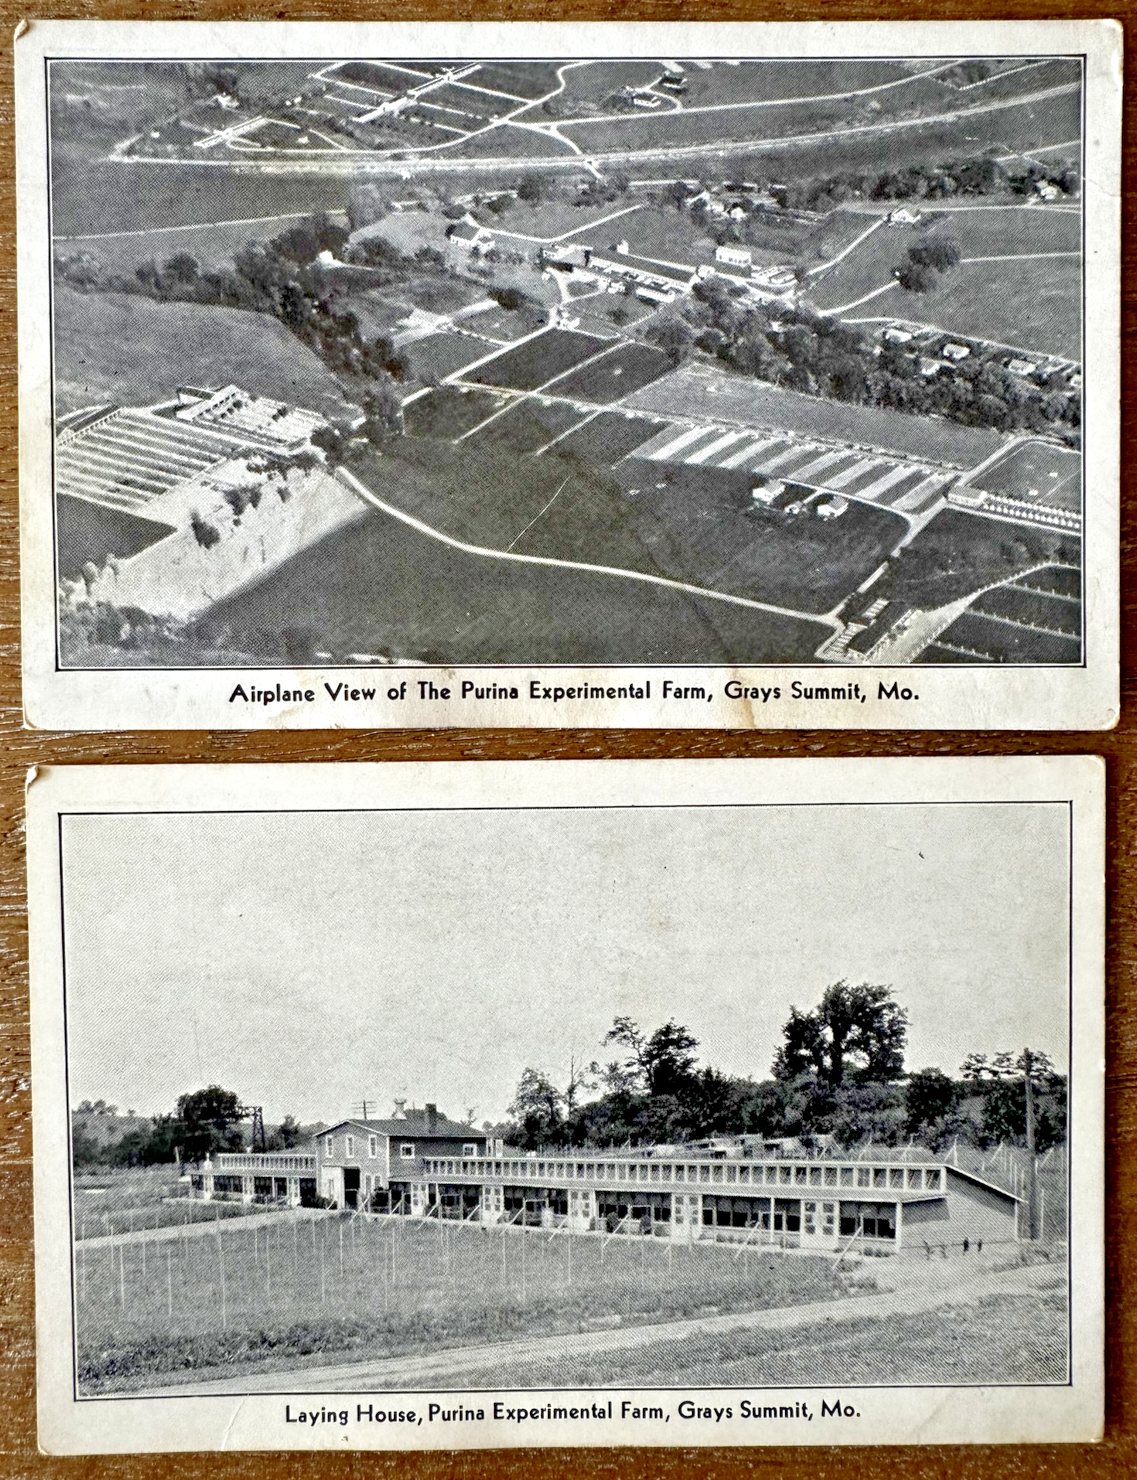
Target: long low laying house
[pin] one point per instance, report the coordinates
(421, 1165)
(172, 507)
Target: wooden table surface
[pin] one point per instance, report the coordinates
(20, 749)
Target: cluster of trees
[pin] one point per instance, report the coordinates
(839, 1072)
(820, 356)
(281, 277)
(205, 1121)
(927, 260)
(976, 175)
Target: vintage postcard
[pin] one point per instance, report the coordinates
(557, 375)
(463, 1105)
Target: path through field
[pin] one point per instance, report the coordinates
(920, 1287)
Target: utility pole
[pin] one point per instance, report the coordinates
(1032, 1161)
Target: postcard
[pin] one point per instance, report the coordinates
(475, 1105)
(558, 375)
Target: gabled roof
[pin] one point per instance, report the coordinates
(415, 1125)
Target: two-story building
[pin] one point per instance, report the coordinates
(378, 1163)
(353, 1164)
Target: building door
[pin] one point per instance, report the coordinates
(351, 1187)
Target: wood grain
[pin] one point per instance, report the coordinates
(20, 749)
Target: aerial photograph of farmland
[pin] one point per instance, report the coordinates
(680, 360)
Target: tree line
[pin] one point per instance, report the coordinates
(838, 1073)
(202, 1122)
(819, 355)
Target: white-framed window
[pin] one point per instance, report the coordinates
(329, 1146)
(407, 1150)
(469, 1149)
(349, 1146)
(373, 1147)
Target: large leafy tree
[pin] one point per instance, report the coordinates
(537, 1110)
(212, 1121)
(857, 1030)
(930, 1097)
(664, 1062)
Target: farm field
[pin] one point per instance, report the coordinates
(97, 195)
(1018, 126)
(538, 360)
(1035, 306)
(527, 426)
(676, 129)
(1037, 470)
(603, 440)
(463, 106)
(993, 641)
(518, 79)
(1023, 1336)
(711, 395)
(210, 245)
(313, 1290)
(449, 412)
(625, 369)
(777, 79)
(553, 218)
(388, 80)
(439, 355)
(958, 553)
(587, 87)
(505, 141)
(696, 527)
(1031, 609)
(382, 587)
(124, 350)
(1013, 231)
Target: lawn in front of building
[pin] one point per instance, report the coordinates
(316, 1289)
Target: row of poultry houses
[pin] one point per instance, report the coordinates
(420, 1164)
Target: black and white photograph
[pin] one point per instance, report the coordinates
(639, 1083)
(626, 365)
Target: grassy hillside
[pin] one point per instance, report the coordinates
(114, 347)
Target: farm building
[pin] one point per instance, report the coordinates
(733, 1189)
(734, 256)
(169, 508)
(471, 237)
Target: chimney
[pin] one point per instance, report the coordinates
(431, 1118)
(400, 1110)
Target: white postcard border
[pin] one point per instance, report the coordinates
(914, 697)
(994, 1414)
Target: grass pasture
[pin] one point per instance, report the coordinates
(210, 245)
(693, 524)
(527, 426)
(383, 588)
(708, 394)
(448, 412)
(518, 79)
(1034, 305)
(603, 440)
(119, 349)
(959, 553)
(774, 80)
(1020, 1337)
(1037, 470)
(313, 1290)
(87, 531)
(106, 195)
